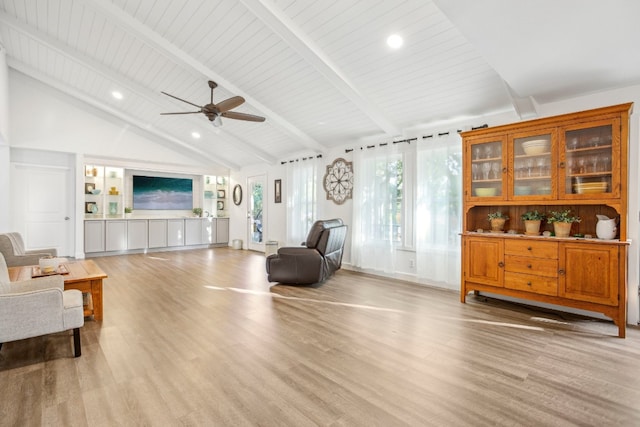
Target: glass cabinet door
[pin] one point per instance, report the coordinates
(590, 158)
(488, 169)
(533, 168)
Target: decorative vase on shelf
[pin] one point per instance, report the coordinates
(532, 227)
(497, 225)
(562, 229)
(606, 227)
(113, 208)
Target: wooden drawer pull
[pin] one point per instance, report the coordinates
(561, 272)
(529, 248)
(528, 283)
(501, 264)
(528, 265)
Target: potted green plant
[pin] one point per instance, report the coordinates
(197, 211)
(127, 212)
(532, 221)
(562, 221)
(497, 220)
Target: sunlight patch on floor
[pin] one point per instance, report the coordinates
(507, 325)
(277, 296)
(370, 307)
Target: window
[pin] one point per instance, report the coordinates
(302, 200)
(389, 173)
(378, 207)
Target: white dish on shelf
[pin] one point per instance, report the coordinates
(536, 146)
(486, 191)
(590, 187)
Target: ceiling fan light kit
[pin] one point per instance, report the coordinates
(221, 109)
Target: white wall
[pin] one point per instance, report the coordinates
(46, 119)
(4, 142)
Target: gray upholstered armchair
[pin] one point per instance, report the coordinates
(12, 247)
(35, 307)
(316, 261)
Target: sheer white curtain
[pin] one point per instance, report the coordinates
(302, 199)
(375, 230)
(438, 207)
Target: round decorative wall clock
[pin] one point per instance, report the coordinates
(338, 181)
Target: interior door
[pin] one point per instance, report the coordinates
(256, 214)
(41, 210)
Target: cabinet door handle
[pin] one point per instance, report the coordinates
(504, 170)
(561, 272)
(528, 265)
(528, 283)
(561, 165)
(501, 264)
(529, 248)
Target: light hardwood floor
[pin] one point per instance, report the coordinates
(201, 338)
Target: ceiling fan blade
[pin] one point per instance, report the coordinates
(242, 116)
(230, 103)
(184, 112)
(180, 99)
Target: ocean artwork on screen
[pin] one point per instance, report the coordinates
(160, 193)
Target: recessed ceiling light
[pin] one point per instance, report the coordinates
(116, 94)
(195, 135)
(394, 41)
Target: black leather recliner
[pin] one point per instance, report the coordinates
(313, 263)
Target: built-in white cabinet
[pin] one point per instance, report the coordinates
(137, 233)
(209, 231)
(222, 230)
(193, 231)
(175, 232)
(121, 235)
(103, 192)
(157, 233)
(94, 236)
(116, 236)
(216, 193)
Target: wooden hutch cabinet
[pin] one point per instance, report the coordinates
(575, 161)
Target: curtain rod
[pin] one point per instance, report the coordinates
(383, 144)
(284, 162)
(409, 140)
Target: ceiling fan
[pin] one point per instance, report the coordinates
(222, 108)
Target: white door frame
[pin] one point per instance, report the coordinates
(42, 206)
(252, 236)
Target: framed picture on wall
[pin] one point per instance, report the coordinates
(90, 207)
(278, 191)
(220, 205)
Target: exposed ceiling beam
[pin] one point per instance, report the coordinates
(132, 87)
(273, 18)
(142, 32)
(525, 106)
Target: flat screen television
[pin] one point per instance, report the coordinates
(159, 193)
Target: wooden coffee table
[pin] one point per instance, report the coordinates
(84, 275)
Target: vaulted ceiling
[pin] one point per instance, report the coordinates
(319, 71)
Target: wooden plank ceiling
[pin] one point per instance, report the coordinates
(320, 72)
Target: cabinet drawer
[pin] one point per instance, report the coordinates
(529, 265)
(531, 248)
(531, 283)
